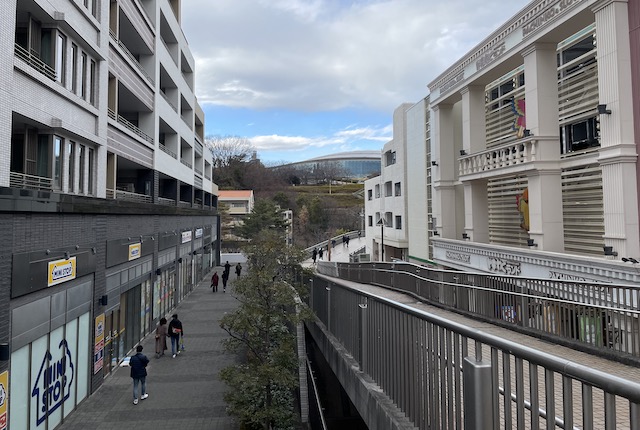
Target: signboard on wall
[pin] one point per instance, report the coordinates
(186, 236)
(60, 271)
(135, 251)
(98, 355)
(4, 394)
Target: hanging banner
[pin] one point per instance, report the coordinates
(4, 394)
(98, 355)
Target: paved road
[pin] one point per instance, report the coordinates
(184, 393)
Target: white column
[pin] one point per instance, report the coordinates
(618, 153)
(546, 225)
(473, 119)
(476, 220)
(444, 176)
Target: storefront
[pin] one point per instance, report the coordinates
(185, 265)
(128, 314)
(50, 336)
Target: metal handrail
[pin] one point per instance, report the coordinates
(129, 125)
(415, 357)
(22, 180)
(33, 60)
(186, 163)
(610, 313)
(131, 57)
(168, 151)
(166, 98)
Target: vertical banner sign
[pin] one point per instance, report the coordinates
(98, 356)
(4, 395)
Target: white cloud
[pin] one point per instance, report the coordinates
(348, 139)
(318, 55)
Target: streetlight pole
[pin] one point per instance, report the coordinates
(381, 224)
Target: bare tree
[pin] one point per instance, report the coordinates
(229, 150)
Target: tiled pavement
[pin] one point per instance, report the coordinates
(184, 392)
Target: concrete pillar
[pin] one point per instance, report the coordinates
(444, 177)
(546, 225)
(476, 211)
(618, 153)
(476, 220)
(541, 113)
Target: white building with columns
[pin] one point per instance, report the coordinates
(531, 151)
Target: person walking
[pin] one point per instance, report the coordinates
(238, 269)
(138, 364)
(175, 331)
(314, 255)
(227, 268)
(161, 337)
(225, 278)
(214, 281)
(321, 252)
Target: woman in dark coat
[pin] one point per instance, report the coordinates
(161, 337)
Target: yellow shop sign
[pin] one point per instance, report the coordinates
(61, 271)
(135, 250)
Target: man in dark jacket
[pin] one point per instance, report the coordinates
(175, 331)
(138, 364)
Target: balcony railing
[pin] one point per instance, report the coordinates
(35, 62)
(122, 120)
(508, 155)
(207, 176)
(186, 163)
(166, 202)
(22, 180)
(164, 96)
(128, 196)
(184, 204)
(131, 57)
(198, 171)
(163, 148)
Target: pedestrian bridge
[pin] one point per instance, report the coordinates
(416, 348)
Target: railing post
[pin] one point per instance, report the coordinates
(329, 308)
(477, 395)
(362, 307)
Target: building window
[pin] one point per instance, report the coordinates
(81, 160)
(71, 165)
(74, 68)
(387, 189)
(83, 75)
(397, 189)
(377, 191)
(57, 162)
(390, 158)
(92, 83)
(61, 46)
(369, 194)
(90, 169)
(398, 222)
(370, 221)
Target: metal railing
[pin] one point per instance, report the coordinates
(129, 125)
(601, 318)
(131, 57)
(166, 98)
(417, 359)
(33, 60)
(22, 180)
(166, 150)
(128, 196)
(166, 202)
(186, 163)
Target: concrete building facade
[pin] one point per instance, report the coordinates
(107, 207)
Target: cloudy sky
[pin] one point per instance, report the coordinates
(304, 78)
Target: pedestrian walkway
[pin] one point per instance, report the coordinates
(184, 392)
(339, 253)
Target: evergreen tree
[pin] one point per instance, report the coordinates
(263, 328)
(266, 215)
